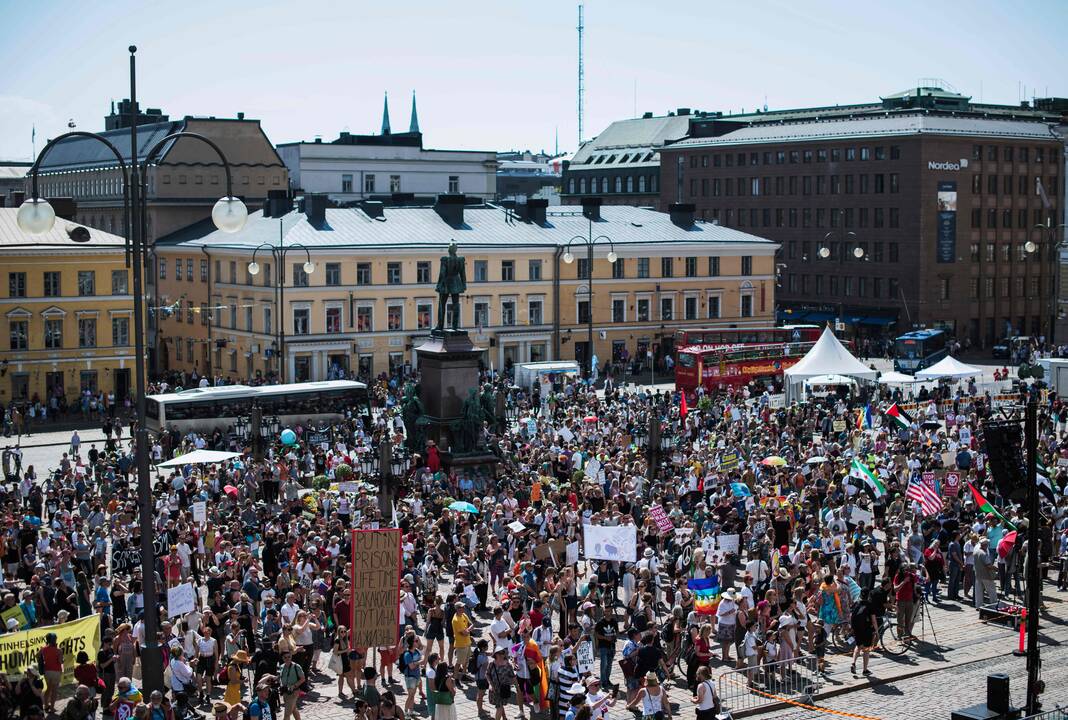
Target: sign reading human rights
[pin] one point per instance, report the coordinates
(376, 568)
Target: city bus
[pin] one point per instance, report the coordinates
(686, 337)
(920, 349)
(310, 403)
(720, 366)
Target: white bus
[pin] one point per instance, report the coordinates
(205, 409)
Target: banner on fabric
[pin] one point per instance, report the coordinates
(18, 650)
(124, 561)
(376, 571)
(181, 599)
(660, 517)
(616, 542)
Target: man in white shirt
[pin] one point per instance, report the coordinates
(500, 631)
(759, 571)
(290, 608)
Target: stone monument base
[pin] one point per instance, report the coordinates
(448, 370)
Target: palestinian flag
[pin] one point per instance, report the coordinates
(872, 483)
(985, 507)
(899, 416)
(705, 594)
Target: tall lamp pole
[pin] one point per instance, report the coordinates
(1054, 250)
(568, 257)
(824, 253)
(279, 253)
(36, 216)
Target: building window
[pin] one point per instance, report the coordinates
(301, 321)
(364, 319)
(53, 333)
(16, 284)
(690, 308)
(691, 267)
(534, 270)
(189, 269)
(86, 283)
(233, 316)
(422, 272)
(395, 317)
(619, 310)
(346, 183)
(162, 262)
(534, 312)
(713, 267)
(481, 314)
(369, 183)
(643, 267)
(507, 270)
(643, 309)
(747, 305)
(481, 271)
(20, 334)
(52, 284)
(454, 183)
(86, 332)
(583, 268)
(248, 316)
(667, 308)
(363, 273)
(747, 264)
(233, 271)
(120, 282)
(300, 278)
(203, 270)
(393, 273)
(120, 331)
(713, 307)
(508, 312)
(667, 267)
(394, 183)
(333, 273)
(333, 320)
(267, 320)
(619, 183)
(618, 269)
(423, 313)
(583, 311)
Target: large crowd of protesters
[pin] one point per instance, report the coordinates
(487, 617)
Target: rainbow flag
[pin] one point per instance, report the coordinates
(706, 594)
(864, 417)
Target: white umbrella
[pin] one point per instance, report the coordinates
(200, 457)
(816, 460)
(896, 378)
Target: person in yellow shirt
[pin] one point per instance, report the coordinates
(461, 632)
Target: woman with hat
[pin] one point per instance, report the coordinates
(653, 698)
(123, 645)
(233, 676)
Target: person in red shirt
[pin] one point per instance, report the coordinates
(905, 594)
(173, 565)
(51, 659)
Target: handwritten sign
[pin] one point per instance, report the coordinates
(663, 522)
(609, 542)
(838, 426)
(516, 527)
(565, 433)
(966, 436)
(572, 553)
(181, 599)
(593, 469)
(584, 656)
(125, 560)
(728, 543)
(376, 564)
(200, 512)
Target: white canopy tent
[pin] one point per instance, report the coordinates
(827, 357)
(830, 380)
(948, 368)
(895, 378)
(200, 457)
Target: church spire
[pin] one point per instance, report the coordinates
(385, 115)
(413, 126)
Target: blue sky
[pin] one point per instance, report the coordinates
(501, 74)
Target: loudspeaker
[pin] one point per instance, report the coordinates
(997, 692)
(1003, 443)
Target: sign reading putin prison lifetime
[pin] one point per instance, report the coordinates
(376, 566)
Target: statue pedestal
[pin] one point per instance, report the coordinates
(448, 370)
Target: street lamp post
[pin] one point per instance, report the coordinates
(568, 257)
(278, 253)
(824, 253)
(1054, 247)
(36, 216)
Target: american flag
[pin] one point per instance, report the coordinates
(925, 495)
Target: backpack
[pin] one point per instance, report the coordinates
(858, 615)
(472, 662)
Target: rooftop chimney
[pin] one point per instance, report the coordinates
(682, 214)
(536, 210)
(374, 208)
(65, 207)
(315, 205)
(17, 197)
(278, 204)
(591, 208)
(451, 208)
(241, 116)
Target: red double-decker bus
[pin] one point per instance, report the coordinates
(747, 336)
(723, 366)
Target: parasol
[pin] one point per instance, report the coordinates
(773, 461)
(461, 506)
(816, 460)
(1006, 544)
(230, 490)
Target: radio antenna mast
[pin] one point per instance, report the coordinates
(581, 75)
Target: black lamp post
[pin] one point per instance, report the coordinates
(36, 216)
(589, 241)
(1054, 247)
(824, 253)
(279, 252)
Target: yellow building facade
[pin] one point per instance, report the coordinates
(68, 309)
(370, 299)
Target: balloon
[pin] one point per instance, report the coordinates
(289, 437)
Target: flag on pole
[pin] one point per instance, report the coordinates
(683, 410)
(1040, 190)
(898, 416)
(871, 481)
(864, 417)
(925, 495)
(1046, 487)
(984, 506)
(705, 594)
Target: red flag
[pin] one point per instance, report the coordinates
(682, 407)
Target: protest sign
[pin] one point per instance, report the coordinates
(17, 614)
(181, 599)
(552, 550)
(1062, 462)
(376, 565)
(584, 656)
(966, 435)
(126, 559)
(572, 553)
(565, 433)
(18, 650)
(728, 460)
(516, 526)
(616, 542)
(320, 438)
(952, 484)
(708, 544)
(593, 469)
(727, 543)
(663, 522)
(860, 515)
(948, 460)
(928, 479)
(838, 426)
(200, 512)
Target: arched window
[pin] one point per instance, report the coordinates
(604, 184)
(630, 183)
(619, 184)
(641, 183)
(571, 186)
(582, 185)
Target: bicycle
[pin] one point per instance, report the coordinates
(889, 640)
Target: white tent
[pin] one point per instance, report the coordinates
(948, 367)
(827, 357)
(200, 457)
(830, 380)
(896, 378)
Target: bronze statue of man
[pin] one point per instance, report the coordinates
(452, 282)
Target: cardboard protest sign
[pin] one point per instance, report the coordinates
(376, 566)
(552, 550)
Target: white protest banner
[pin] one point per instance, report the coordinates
(516, 526)
(728, 543)
(593, 469)
(708, 544)
(584, 656)
(616, 542)
(859, 515)
(180, 600)
(572, 553)
(200, 512)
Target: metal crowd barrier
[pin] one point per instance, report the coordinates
(770, 683)
(1059, 713)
